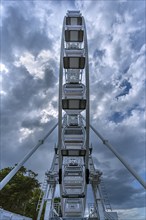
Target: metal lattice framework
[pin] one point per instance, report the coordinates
(72, 167)
(73, 141)
(73, 156)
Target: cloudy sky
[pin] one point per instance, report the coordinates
(31, 34)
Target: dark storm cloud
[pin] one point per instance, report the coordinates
(119, 185)
(26, 97)
(22, 31)
(49, 76)
(24, 90)
(139, 38)
(15, 153)
(121, 193)
(117, 179)
(55, 104)
(101, 89)
(31, 123)
(127, 145)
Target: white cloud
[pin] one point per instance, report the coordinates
(24, 133)
(3, 93)
(3, 68)
(36, 65)
(132, 214)
(48, 112)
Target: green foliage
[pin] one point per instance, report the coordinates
(21, 194)
(57, 205)
(57, 200)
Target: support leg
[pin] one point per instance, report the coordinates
(26, 157)
(105, 142)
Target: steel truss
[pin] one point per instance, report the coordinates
(73, 156)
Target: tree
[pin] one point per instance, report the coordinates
(21, 194)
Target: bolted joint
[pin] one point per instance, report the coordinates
(105, 141)
(41, 141)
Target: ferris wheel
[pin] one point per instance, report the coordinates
(73, 168)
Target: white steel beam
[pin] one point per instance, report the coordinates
(26, 157)
(129, 168)
(98, 201)
(87, 96)
(49, 202)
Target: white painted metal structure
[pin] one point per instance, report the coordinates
(73, 157)
(73, 142)
(72, 167)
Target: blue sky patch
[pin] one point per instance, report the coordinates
(117, 117)
(98, 53)
(125, 87)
